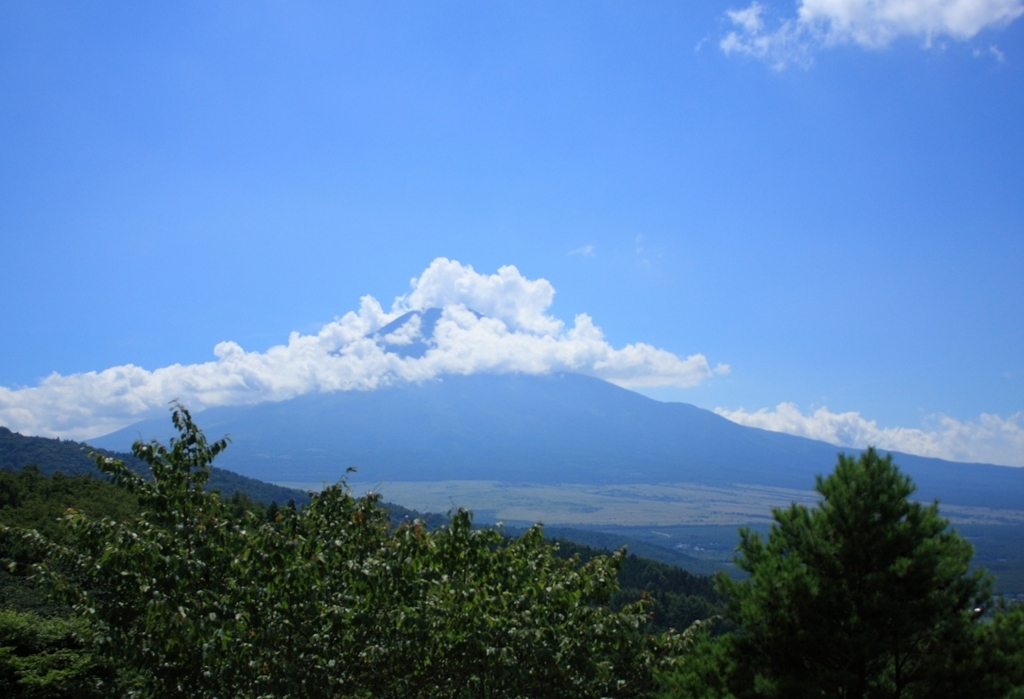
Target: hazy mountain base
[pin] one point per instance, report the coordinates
(633, 504)
(553, 429)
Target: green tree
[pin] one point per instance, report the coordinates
(197, 599)
(1000, 649)
(43, 657)
(866, 595)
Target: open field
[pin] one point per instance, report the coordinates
(629, 505)
(689, 525)
(573, 504)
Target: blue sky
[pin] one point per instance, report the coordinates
(825, 197)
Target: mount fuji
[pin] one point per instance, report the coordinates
(551, 429)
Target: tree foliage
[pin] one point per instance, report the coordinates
(178, 592)
(30, 500)
(869, 594)
(44, 657)
(330, 601)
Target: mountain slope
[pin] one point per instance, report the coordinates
(561, 428)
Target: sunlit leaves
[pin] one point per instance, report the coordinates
(330, 601)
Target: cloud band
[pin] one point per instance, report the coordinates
(488, 323)
(987, 439)
(868, 23)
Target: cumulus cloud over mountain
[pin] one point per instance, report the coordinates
(868, 23)
(988, 439)
(478, 323)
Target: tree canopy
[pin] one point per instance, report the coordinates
(868, 594)
(330, 601)
(178, 592)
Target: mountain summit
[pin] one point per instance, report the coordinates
(411, 334)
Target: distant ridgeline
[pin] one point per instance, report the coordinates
(72, 458)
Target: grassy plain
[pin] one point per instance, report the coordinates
(632, 505)
(589, 505)
(693, 526)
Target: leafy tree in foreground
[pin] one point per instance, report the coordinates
(329, 601)
(866, 595)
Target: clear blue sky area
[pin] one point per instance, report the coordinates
(842, 231)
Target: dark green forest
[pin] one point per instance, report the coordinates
(145, 579)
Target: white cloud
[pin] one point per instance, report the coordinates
(585, 251)
(785, 45)
(507, 295)
(488, 323)
(867, 23)
(987, 439)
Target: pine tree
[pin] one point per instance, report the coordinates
(869, 594)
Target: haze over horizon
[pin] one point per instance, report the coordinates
(804, 216)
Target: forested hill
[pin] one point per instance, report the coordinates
(72, 458)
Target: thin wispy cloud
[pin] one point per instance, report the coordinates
(585, 251)
(993, 52)
(488, 323)
(987, 439)
(782, 40)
